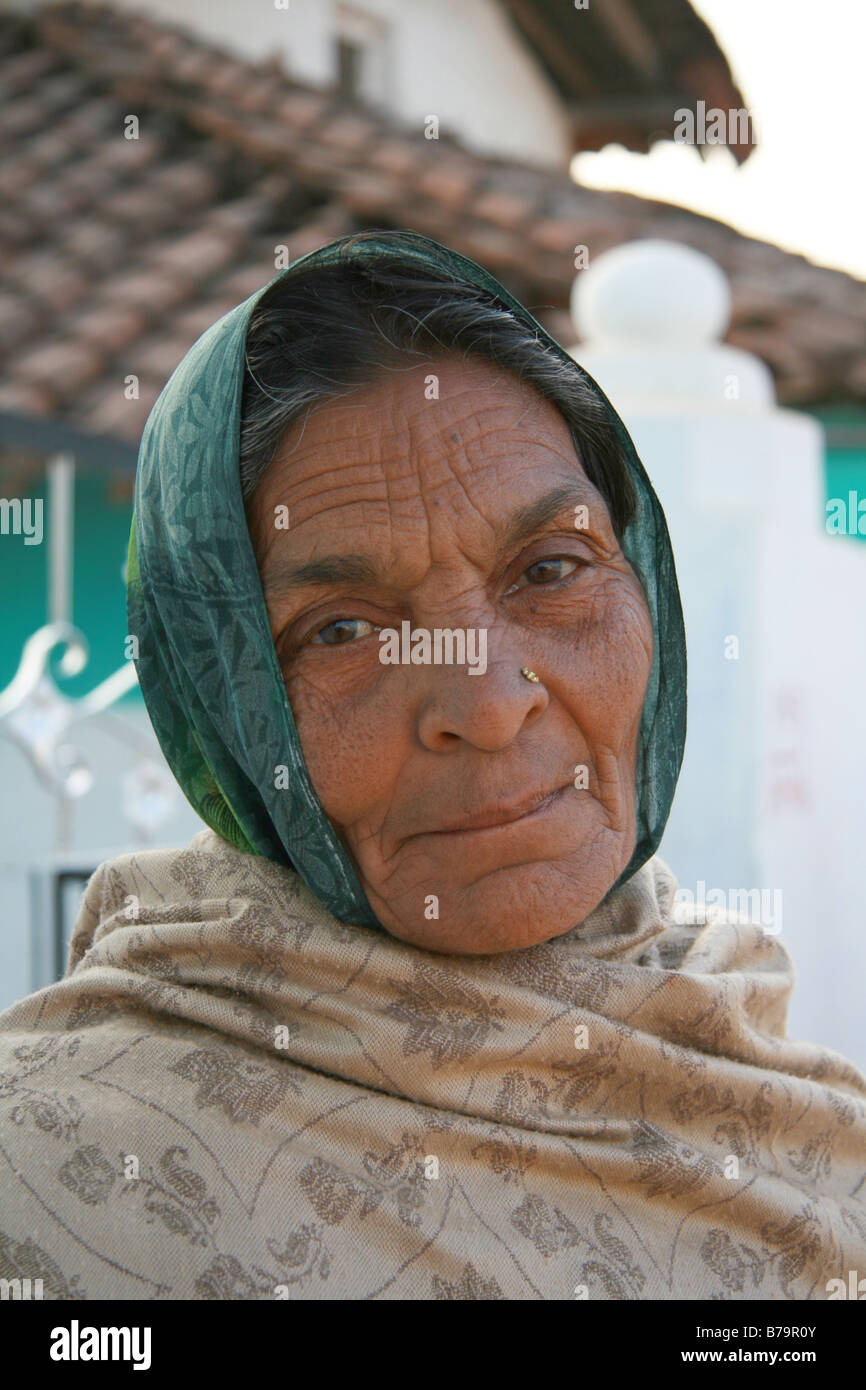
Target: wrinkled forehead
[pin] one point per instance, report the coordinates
(447, 443)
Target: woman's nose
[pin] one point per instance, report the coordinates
(485, 710)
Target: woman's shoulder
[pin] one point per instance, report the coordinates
(147, 885)
(704, 934)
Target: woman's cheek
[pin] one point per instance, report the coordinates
(605, 617)
(345, 744)
(316, 715)
(622, 646)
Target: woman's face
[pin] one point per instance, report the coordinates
(483, 812)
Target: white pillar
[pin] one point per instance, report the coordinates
(61, 523)
(775, 764)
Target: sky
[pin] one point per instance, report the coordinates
(800, 67)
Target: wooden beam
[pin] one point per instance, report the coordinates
(653, 110)
(560, 57)
(631, 36)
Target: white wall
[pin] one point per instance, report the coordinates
(28, 824)
(771, 794)
(460, 60)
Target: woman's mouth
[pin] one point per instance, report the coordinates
(497, 815)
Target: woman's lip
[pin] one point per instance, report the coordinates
(493, 818)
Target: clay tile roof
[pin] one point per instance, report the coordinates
(624, 68)
(116, 254)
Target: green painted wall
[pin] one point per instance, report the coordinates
(845, 456)
(103, 514)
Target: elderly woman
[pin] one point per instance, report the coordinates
(413, 1018)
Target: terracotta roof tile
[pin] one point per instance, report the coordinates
(152, 290)
(156, 358)
(15, 178)
(18, 318)
(332, 223)
(394, 156)
(366, 193)
(51, 202)
(18, 119)
(128, 157)
(556, 236)
(18, 398)
(190, 324)
(259, 141)
(197, 255)
(832, 336)
(259, 97)
(244, 282)
(107, 411)
(782, 353)
(60, 368)
(228, 78)
(119, 252)
(93, 242)
(190, 183)
(854, 377)
(451, 182)
(62, 89)
(50, 280)
(301, 108)
(108, 328)
(167, 46)
(433, 220)
(192, 66)
(243, 216)
(139, 210)
(352, 133)
(491, 246)
(93, 179)
(95, 118)
(22, 70)
(50, 147)
(504, 209)
(16, 233)
(323, 166)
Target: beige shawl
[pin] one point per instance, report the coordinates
(232, 1095)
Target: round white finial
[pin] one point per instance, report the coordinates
(657, 292)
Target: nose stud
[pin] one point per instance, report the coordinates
(530, 675)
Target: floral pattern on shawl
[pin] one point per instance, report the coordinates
(233, 1097)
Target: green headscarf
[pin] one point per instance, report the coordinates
(206, 661)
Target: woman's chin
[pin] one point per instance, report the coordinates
(506, 910)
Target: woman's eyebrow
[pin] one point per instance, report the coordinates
(358, 569)
(550, 507)
(330, 569)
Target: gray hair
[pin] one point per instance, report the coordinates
(323, 331)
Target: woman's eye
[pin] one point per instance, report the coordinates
(546, 572)
(344, 630)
